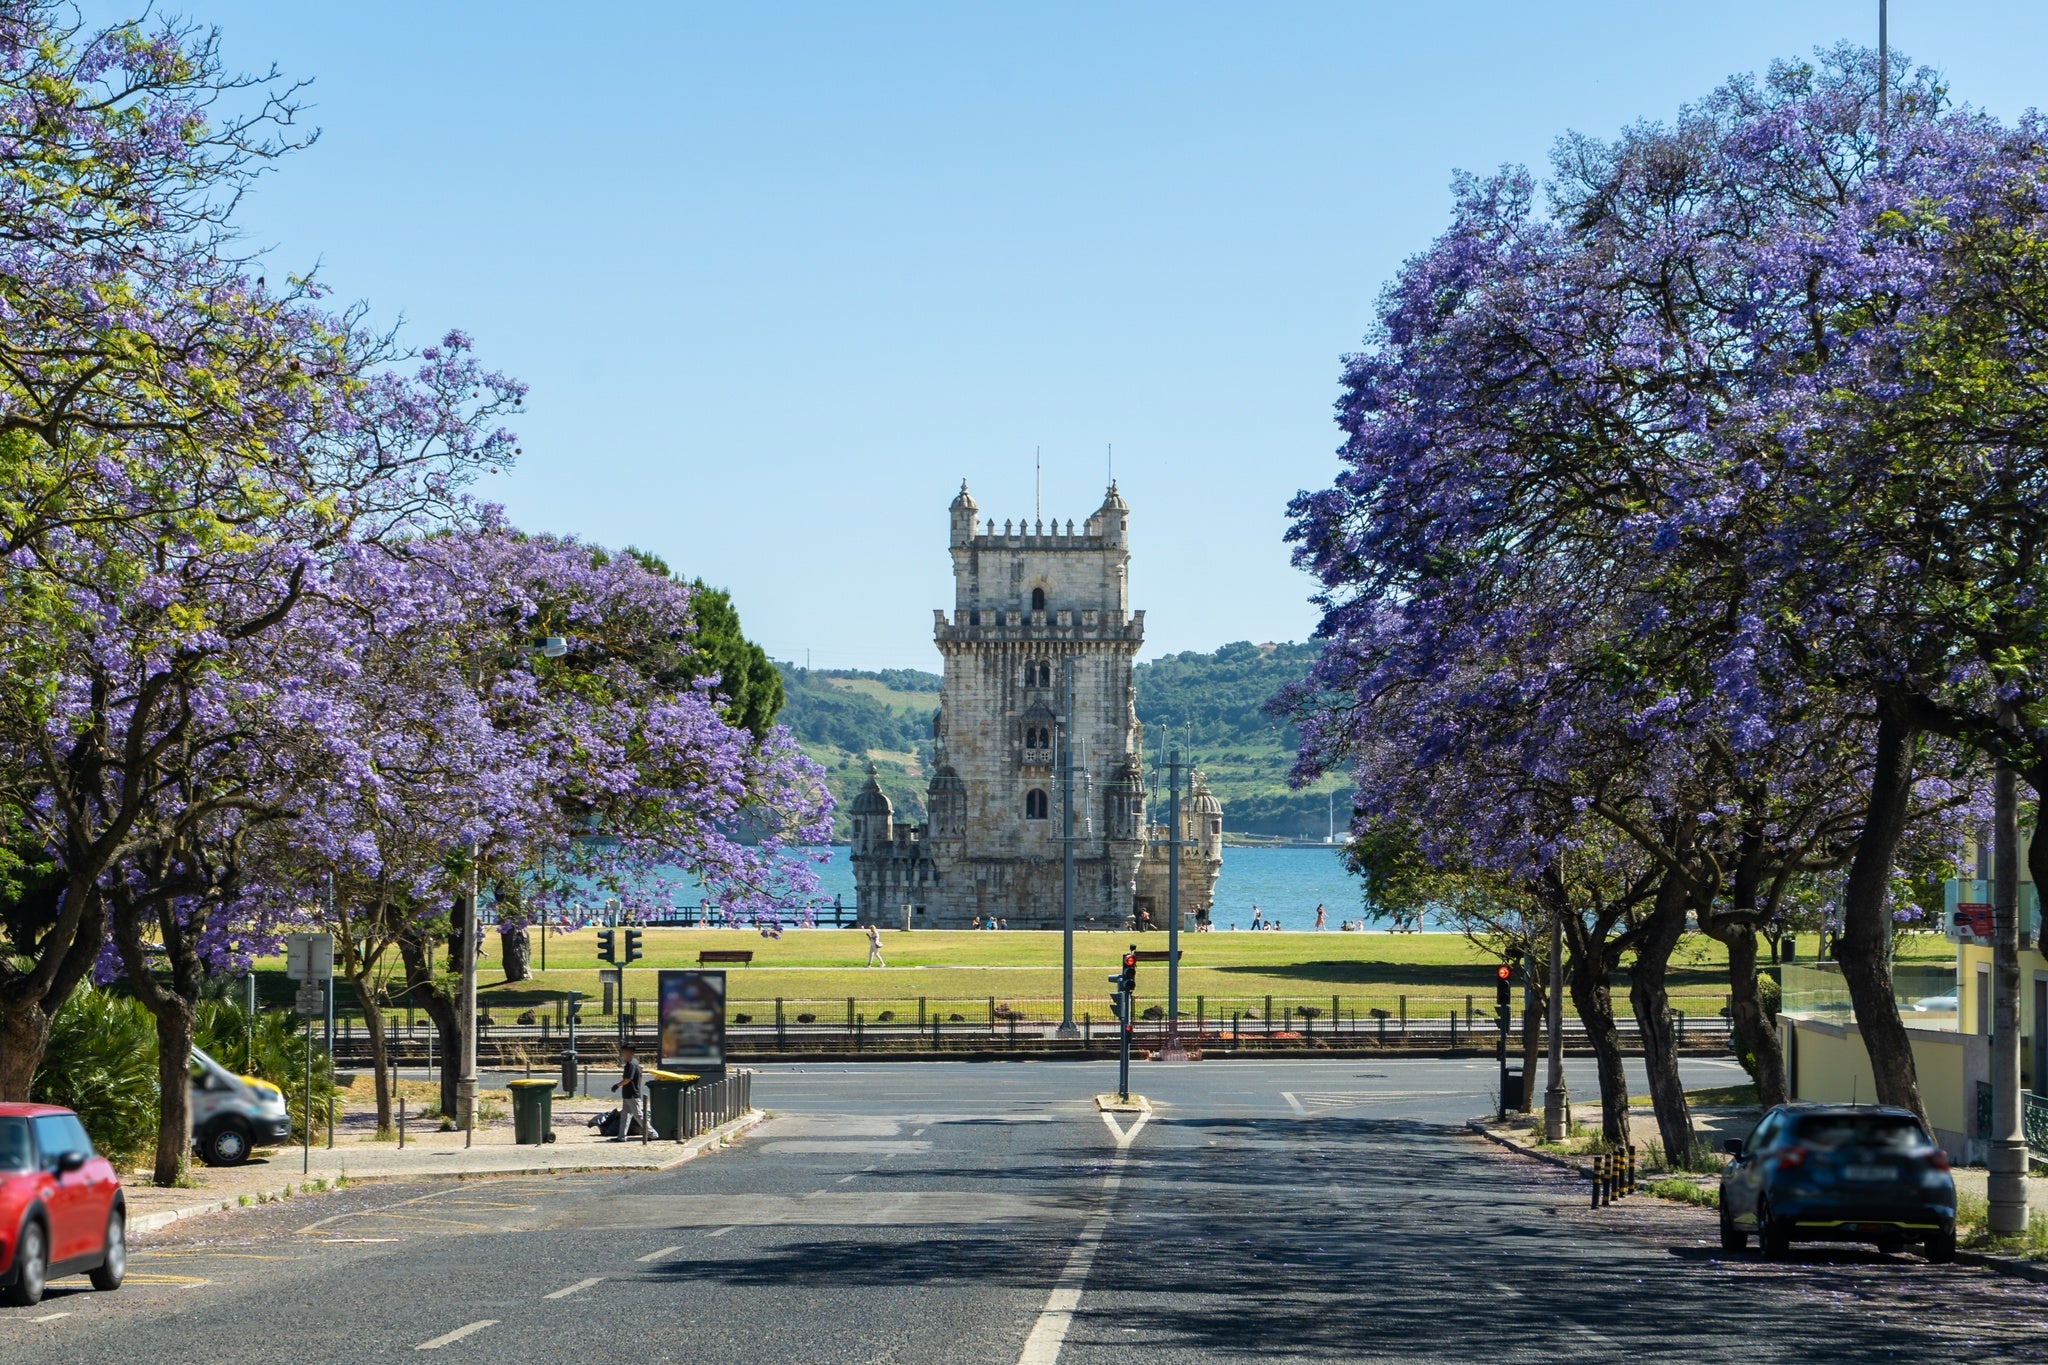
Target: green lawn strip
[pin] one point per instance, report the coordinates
(959, 971)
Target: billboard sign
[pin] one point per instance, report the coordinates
(692, 1019)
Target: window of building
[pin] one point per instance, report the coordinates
(1034, 804)
(1038, 599)
(1038, 674)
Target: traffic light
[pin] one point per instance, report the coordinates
(632, 945)
(1130, 981)
(606, 949)
(1504, 975)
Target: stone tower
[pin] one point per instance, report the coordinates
(1037, 652)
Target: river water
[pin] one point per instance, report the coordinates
(1286, 883)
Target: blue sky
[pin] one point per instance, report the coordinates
(782, 274)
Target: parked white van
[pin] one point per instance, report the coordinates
(233, 1115)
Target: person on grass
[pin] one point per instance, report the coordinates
(875, 946)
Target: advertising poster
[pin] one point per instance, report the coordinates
(692, 1019)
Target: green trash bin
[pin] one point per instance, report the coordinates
(533, 1112)
(664, 1095)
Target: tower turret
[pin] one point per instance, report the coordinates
(1112, 520)
(871, 814)
(963, 516)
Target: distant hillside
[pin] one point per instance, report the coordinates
(845, 717)
(1211, 705)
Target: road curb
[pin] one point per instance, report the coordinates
(1525, 1149)
(2002, 1265)
(695, 1147)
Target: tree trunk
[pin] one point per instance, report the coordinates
(1652, 1004)
(24, 1031)
(1864, 948)
(1535, 1011)
(412, 948)
(174, 1089)
(1757, 1033)
(1595, 1006)
(380, 1052)
(517, 951)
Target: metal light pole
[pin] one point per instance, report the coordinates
(1884, 72)
(1557, 1103)
(2007, 1184)
(465, 1084)
(1173, 904)
(1066, 1028)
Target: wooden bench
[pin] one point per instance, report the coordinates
(739, 955)
(1156, 954)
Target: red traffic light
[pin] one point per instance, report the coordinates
(1505, 972)
(1130, 959)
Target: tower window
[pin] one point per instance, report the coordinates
(1038, 674)
(1034, 804)
(1038, 599)
(1037, 737)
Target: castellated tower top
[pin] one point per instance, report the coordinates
(1042, 575)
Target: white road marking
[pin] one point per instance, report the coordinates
(657, 1255)
(450, 1338)
(722, 1231)
(1293, 1103)
(1123, 1138)
(576, 1288)
(1049, 1333)
(51, 1317)
(842, 1179)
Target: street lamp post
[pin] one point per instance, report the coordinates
(1066, 1028)
(1557, 1105)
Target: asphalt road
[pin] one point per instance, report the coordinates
(952, 1212)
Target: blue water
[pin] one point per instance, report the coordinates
(1282, 882)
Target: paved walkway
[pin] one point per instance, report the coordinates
(281, 1173)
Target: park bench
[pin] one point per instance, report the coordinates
(1156, 954)
(739, 955)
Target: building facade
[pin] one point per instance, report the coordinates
(1037, 652)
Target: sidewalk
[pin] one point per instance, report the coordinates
(277, 1173)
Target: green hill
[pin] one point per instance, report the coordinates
(1211, 704)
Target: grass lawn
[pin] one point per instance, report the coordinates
(816, 970)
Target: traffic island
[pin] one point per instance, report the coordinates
(1114, 1104)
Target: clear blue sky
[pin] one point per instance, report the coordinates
(781, 274)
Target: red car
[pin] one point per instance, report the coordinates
(61, 1210)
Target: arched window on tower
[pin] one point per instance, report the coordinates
(1038, 675)
(1038, 599)
(1034, 804)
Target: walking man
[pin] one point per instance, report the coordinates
(628, 1086)
(875, 946)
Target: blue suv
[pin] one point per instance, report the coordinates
(1839, 1172)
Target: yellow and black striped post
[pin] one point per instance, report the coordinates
(1631, 1188)
(1599, 1175)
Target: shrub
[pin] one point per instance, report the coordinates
(1687, 1192)
(743, 1018)
(807, 1018)
(1310, 1011)
(955, 1019)
(885, 1016)
(1154, 1012)
(101, 1062)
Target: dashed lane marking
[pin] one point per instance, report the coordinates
(722, 1231)
(576, 1288)
(658, 1255)
(158, 1277)
(450, 1338)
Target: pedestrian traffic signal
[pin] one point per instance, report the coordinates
(1504, 976)
(632, 945)
(1130, 979)
(607, 951)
